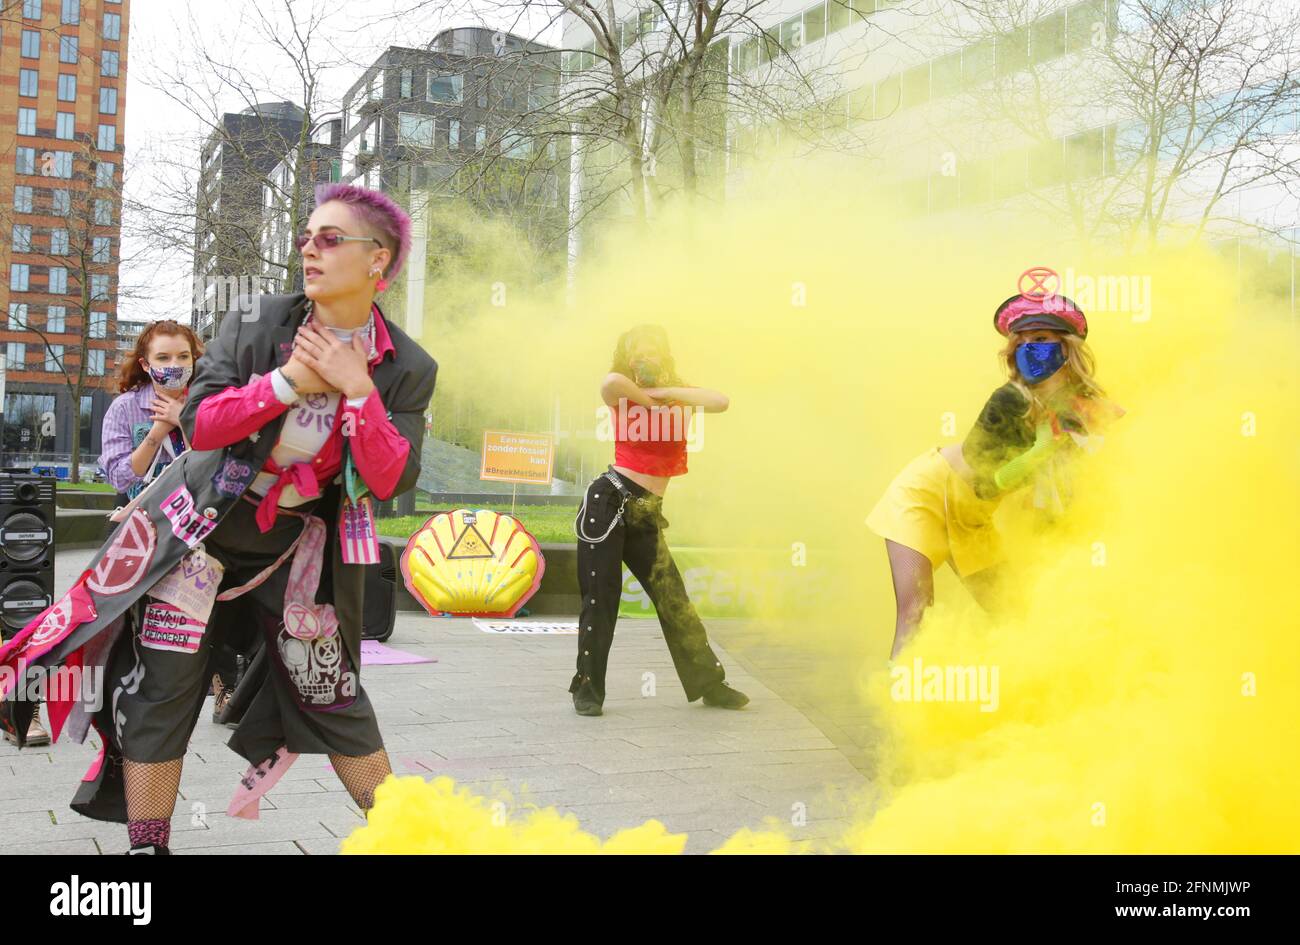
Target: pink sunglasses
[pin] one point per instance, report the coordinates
(324, 241)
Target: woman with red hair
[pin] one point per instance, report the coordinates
(142, 426)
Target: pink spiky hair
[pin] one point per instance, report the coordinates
(378, 211)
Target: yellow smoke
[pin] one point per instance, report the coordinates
(1148, 684)
(414, 816)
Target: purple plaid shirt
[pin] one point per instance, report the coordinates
(126, 422)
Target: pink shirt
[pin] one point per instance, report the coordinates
(378, 449)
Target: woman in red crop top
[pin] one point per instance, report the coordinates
(621, 520)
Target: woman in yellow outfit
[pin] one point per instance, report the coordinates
(940, 507)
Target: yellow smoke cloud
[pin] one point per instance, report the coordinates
(414, 816)
(1148, 686)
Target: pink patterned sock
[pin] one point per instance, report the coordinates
(142, 833)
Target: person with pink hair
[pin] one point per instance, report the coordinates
(305, 408)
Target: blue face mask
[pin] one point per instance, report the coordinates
(1039, 360)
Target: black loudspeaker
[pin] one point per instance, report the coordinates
(379, 611)
(26, 548)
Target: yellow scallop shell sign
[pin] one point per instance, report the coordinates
(472, 564)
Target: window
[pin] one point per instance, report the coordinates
(23, 199)
(65, 125)
(102, 246)
(916, 85)
(1086, 24)
(22, 238)
(99, 287)
(445, 89)
(20, 276)
(87, 412)
(24, 413)
(16, 356)
(977, 63)
(814, 23)
(62, 166)
(103, 213)
(58, 242)
(1013, 51)
(515, 145)
(104, 173)
(95, 362)
(31, 44)
(112, 26)
(27, 121)
(67, 88)
(408, 77)
(480, 137)
(1047, 37)
(60, 202)
(17, 316)
(32, 9)
(837, 15)
(108, 101)
(888, 96)
(1084, 154)
(99, 324)
(27, 83)
(58, 280)
(453, 133)
(792, 33)
(108, 62)
(25, 160)
(71, 12)
(56, 319)
(107, 137)
(415, 129)
(69, 46)
(54, 358)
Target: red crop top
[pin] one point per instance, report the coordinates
(652, 441)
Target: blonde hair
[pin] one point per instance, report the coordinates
(1079, 360)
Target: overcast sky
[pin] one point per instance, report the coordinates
(173, 94)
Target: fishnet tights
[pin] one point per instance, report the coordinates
(151, 788)
(913, 591)
(361, 774)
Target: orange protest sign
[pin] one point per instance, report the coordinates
(517, 457)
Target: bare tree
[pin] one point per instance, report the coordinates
(245, 69)
(1163, 111)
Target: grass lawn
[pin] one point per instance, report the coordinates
(86, 486)
(547, 523)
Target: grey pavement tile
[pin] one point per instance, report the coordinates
(494, 713)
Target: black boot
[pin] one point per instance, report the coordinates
(149, 849)
(722, 696)
(585, 702)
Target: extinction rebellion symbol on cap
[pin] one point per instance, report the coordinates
(1039, 282)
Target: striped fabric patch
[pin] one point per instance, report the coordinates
(167, 627)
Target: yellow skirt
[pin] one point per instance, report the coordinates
(931, 509)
